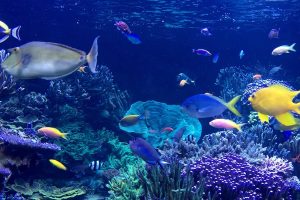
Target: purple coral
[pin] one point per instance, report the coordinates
(232, 177)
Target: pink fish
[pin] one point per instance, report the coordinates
(122, 26)
(226, 124)
(167, 129)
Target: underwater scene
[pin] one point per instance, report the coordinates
(150, 100)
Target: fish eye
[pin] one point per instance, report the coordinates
(252, 96)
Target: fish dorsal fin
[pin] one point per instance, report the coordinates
(216, 98)
(279, 87)
(67, 47)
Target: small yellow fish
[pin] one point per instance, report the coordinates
(58, 164)
(51, 132)
(82, 69)
(277, 101)
(6, 31)
(130, 120)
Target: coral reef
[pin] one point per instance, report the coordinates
(277, 165)
(39, 189)
(84, 89)
(232, 177)
(158, 116)
(126, 185)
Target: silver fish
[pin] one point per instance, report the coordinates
(47, 60)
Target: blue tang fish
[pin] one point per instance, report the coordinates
(207, 105)
(144, 150)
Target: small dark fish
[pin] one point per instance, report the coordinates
(133, 38)
(144, 150)
(191, 139)
(178, 135)
(296, 159)
(201, 52)
(274, 70)
(215, 58)
(122, 26)
(274, 33)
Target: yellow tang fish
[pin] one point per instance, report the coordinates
(58, 164)
(5, 32)
(51, 132)
(277, 101)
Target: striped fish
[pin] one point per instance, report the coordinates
(95, 165)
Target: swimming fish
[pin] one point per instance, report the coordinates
(257, 76)
(5, 32)
(51, 132)
(184, 80)
(207, 105)
(167, 129)
(122, 26)
(58, 164)
(226, 124)
(201, 52)
(215, 58)
(130, 120)
(242, 54)
(205, 32)
(144, 150)
(95, 165)
(82, 69)
(274, 70)
(47, 60)
(277, 101)
(283, 49)
(133, 38)
(296, 159)
(281, 127)
(274, 33)
(178, 134)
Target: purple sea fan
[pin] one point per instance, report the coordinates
(232, 177)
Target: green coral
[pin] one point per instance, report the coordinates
(127, 185)
(39, 189)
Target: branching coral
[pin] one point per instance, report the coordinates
(232, 177)
(277, 166)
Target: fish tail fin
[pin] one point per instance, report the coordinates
(239, 127)
(92, 56)
(64, 135)
(15, 32)
(231, 104)
(4, 38)
(193, 50)
(292, 47)
(297, 108)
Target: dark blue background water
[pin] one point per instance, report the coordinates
(148, 71)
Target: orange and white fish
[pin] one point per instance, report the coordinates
(226, 124)
(58, 164)
(82, 69)
(257, 76)
(51, 132)
(183, 83)
(283, 49)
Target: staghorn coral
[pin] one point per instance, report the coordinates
(39, 189)
(232, 177)
(277, 165)
(158, 116)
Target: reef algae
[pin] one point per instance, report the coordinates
(158, 116)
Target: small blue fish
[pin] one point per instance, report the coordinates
(215, 58)
(242, 54)
(201, 52)
(144, 150)
(207, 105)
(133, 38)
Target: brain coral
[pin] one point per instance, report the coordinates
(158, 116)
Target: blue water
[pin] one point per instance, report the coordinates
(169, 30)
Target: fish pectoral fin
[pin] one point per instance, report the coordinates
(263, 118)
(286, 119)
